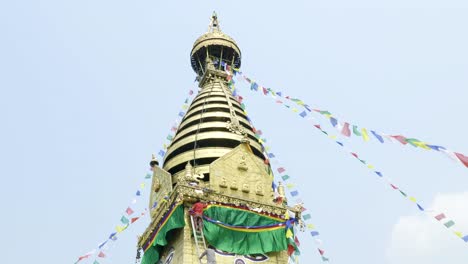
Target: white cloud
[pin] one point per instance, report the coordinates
(421, 239)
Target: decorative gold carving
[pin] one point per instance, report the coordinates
(245, 188)
(223, 183)
(233, 185)
(242, 164)
(259, 189)
(162, 185)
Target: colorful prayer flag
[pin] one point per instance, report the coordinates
(465, 238)
(294, 193)
(134, 219)
(254, 86)
(124, 220)
(281, 170)
(321, 251)
(314, 233)
(306, 217)
(379, 137)
(303, 114)
(181, 114)
(101, 254)
(356, 131)
(378, 173)
(440, 216)
(401, 139)
(462, 158)
(148, 176)
(285, 177)
(161, 153)
(129, 211)
(333, 121)
(138, 193)
(365, 136)
(449, 224)
(346, 131)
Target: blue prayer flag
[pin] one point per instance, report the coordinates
(161, 153)
(314, 233)
(279, 94)
(379, 137)
(420, 207)
(112, 236)
(303, 114)
(339, 143)
(273, 186)
(154, 205)
(438, 148)
(271, 155)
(294, 193)
(333, 121)
(254, 86)
(378, 173)
(181, 114)
(465, 238)
(138, 193)
(102, 244)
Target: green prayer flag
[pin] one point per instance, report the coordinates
(356, 131)
(449, 224)
(285, 177)
(412, 141)
(325, 113)
(95, 262)
(404, 194)
(147, 176)
(124, 220)
(169, 137)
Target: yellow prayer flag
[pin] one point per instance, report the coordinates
(365, 136)
(422, 145)
(333, 137)
(370, 166)
(458, 233)
(412, 199)
(142, 185)
(310, 226)
(295, 110)
(120, 228)
(290, 185)
(289, 234)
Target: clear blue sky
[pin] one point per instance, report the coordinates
(89, 89)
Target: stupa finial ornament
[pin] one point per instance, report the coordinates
(214, 24)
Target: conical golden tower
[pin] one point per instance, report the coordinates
(213, 195)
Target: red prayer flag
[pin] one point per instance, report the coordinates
(134, 219)
(297, 242)
(394, 187)
(265, 91)
(101, 254)
(400, 138)
(129, 211)
(346, 131)
(462, 158)
(355, 155)
(281, 170)
(291, 250)
(321, 251)
(439, 217)
(318, 126)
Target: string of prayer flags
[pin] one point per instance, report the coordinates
(344, 129)
(363, 132)
(125, 223)
(284, 177)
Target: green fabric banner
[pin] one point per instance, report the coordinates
(173, 221)
(242, 242)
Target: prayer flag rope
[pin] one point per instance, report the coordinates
(448, 223)
(175, 125)
(292, 191)
(345, 128)
(126, 219)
